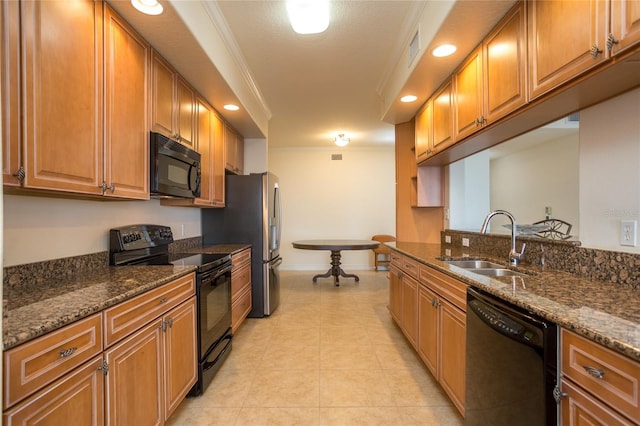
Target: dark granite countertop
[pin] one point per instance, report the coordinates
(36, 309)
(221, 248)
(605, 312)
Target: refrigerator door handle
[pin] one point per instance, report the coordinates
(275, 263)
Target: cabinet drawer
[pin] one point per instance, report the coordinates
(580, 408)
(240, 258)
(611, 377)
(122, 319)
(240, 280)
(396, 259)
(410, 266)
(451, 289)
(33, 365)
(240, 309)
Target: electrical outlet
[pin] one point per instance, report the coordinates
(465, 242)
(182, 230)
(447, 252)
(447, 239)
(629, 233)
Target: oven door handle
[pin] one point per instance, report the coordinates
(227, 346)
(222, 272)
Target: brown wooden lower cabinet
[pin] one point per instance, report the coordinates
(76, 398)
(240, 287)
(73, 376)
(431, 313)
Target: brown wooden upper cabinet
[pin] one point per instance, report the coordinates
(173, 105)
(566, 38)
(10, 90)
(218, 176)
(234, 150)
(79, 132)
(491, 82)
(433, 124)
(625, 25)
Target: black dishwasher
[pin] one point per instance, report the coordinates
(511, 364)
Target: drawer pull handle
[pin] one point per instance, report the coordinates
(67, 352)
(594, 372)
(164, 300)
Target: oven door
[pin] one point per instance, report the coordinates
(214, 300)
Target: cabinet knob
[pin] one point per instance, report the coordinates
(611, 41)
(595, 51)
(164, 300)
(112, 187)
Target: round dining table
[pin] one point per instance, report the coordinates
(335, 247)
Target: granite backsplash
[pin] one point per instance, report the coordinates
(554, 255)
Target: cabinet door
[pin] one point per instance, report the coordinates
(580, 408)
(162, 97)
(453, 346)
(395, 293)
(410, 308)
(468, 96)
(562, 35)
(134, 383)
(424, 130)
(180, 356)
(186, 113)
(442, 118)
(63, 99)
(428, 325)
(504, 57)
(217, 189)
(10, 91)
(230, 149)
(625, 24)
(126, 123)
(205, 143)
(78, 396)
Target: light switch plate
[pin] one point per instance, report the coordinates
(465, 242)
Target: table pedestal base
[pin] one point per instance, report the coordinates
(335, 270)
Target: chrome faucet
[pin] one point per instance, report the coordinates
(514, 256)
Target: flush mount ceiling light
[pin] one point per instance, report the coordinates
(341, 140)
(149, 7)
(444, 50)
(308, 16)
(231, 107)
(408, 98)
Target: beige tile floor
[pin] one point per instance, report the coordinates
(327, 356)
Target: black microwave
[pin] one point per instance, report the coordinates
(174, 169)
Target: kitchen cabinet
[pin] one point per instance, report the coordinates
(173, 104)
(234, 150)
(442, 331)
(151, 353)
(625, 25)
(433, 124)
(403, 295)
(218, 166)
(240, 288)
(558, 53)
(10, 91)
(84, 127)
(504, 53)
(395, 287)
(467, 101)
(78, 396)
(599, 386)
(39, 362)
(62, 105)
(126, 142)
(491, 81)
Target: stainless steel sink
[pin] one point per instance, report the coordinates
(473, 264)
(496, 272)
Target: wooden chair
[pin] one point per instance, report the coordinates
(558, 229)
(381, 254)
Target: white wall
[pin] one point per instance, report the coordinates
(609, 170)
(255, 156)
(41, 228)
(349, 199)
(469, 192)
(527, 181)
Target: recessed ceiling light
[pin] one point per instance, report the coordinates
(408, 98)
(444, 50)
(231, 107)
(149, 7)
(341, 140)
(308, 16)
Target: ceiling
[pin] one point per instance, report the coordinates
(299, 91)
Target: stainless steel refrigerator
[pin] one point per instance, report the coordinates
(252, 215)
